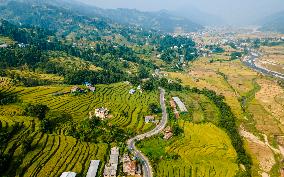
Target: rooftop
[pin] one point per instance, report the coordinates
(68, 174)
(92, 172)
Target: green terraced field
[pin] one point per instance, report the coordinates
(50, 154)
(204, 150)
(127, 110)
(199, 107)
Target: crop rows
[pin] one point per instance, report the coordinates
(205, 150)
(126, 110)
(50, 154)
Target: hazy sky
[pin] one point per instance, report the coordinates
(234, 11)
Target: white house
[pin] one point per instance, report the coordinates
(101, 112)
(149, 119)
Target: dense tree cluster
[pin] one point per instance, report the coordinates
(215, 48)
(35, 56)
(236, 55)
(37, 110)
(6, 98)
(175, 47)
(169, 41)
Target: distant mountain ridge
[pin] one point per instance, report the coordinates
(162, 21)
(274, 23)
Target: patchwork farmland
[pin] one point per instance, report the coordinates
(204, 150)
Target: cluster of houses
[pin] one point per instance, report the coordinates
(176, 102)
(110, 169)
(77, 89)
(132, 91)
(92, 171)
(4, 45)
(131, 167)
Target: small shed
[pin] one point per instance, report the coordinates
(3, 45)
(88, 84)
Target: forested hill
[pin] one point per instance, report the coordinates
(54, 36)
(55, 14)
(162, 20)
(274, 23)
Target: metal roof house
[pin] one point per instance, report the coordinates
(132, 91)
(180, 104)
(68, 174)
(93, 169)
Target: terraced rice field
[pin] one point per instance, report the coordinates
(50, 154)
(205, 150)
(126, 110)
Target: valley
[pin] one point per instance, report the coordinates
(87, 91)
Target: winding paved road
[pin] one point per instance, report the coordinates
(147, 169)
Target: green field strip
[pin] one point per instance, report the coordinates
(60, 157)
(76, 157)
(52, 150)
(69, 156)
(32, 163)
(52, 163)
(28, 160)
(14, 141)
(77, 165)
(90, 156)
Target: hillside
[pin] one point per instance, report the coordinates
(274, 23)
(162, 20)
(44, 12)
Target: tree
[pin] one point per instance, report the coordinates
(27, 145)
(154, 108)
(38, 110)
(148, 85)
(46, 126)
(177, 130)
(143, 73)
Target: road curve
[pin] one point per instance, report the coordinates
(147, 169)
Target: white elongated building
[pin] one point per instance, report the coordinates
(68, 174)
(93, 169)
